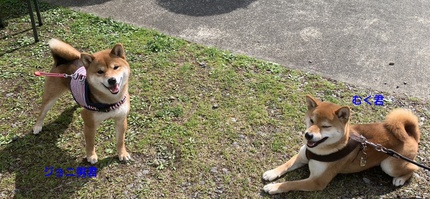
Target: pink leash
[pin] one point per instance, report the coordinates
(63, 75)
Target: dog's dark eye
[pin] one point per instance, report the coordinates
(326, 127)
(100, 72)
(115, 67)
(312, 121)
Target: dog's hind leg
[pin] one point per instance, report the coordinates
(400, 170)
(53, 90)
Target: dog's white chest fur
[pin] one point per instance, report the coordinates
(317, 168)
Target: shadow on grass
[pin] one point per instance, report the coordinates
(10, 9)
(371, 182)
(28, 156)
(15, 9)
(12, 50)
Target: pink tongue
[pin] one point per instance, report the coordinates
(114, 89)
(311, 143)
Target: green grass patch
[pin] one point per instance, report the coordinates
(204, 123)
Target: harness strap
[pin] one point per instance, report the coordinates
(104, 107)
(350, 146)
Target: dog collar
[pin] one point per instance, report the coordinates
(81, 92)
(350, 146)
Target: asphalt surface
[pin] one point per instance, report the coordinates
(384, 45)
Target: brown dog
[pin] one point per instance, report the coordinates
(99, 84)
(329, 149)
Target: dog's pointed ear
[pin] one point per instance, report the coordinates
(312, 103)
(118, 50)
(86, 59)
(343, 113)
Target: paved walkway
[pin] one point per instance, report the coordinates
(384, 45)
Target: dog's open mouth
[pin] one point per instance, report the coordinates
(114, 89)
(311, 144)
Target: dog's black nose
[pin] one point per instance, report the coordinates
(309, 136)
(112, 81)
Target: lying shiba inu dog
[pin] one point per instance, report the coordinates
(330, 150)
(99, 84)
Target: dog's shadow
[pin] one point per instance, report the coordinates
(371, 182)
(28, 156)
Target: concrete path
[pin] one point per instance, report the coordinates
(384, 45)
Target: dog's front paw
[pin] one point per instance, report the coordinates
(37, 129)
(124, 156)
(92, 159)
(270, 175)
(272, 188)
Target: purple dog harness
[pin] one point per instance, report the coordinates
(81, 91)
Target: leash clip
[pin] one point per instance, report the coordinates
(363, 141)
(380, 148)
(67, 76)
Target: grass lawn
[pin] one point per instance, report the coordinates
(204, 123)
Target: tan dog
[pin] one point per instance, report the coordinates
(329, 149)
(99, 83)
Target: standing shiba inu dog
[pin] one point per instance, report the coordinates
(99, 84)
(329, 149)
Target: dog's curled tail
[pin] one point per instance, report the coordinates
(62, 52)
(403, 123)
